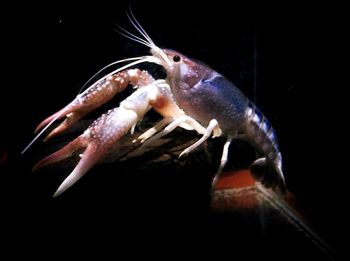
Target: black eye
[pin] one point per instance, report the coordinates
(176, 58)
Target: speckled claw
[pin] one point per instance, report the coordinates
(98, 94)
(102, 135)
(96, 141)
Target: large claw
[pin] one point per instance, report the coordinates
(93, 97)
(101, 136)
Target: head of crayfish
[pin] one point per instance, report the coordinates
(181, 70)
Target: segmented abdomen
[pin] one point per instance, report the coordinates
(262, 135)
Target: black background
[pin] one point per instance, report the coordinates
(49, 51)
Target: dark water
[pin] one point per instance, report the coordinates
(281, 56)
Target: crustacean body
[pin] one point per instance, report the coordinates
(193, 97)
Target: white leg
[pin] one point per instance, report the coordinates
(167, 130)
(212, 125)
(192, 124)
(149, 133)
(222, 163)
